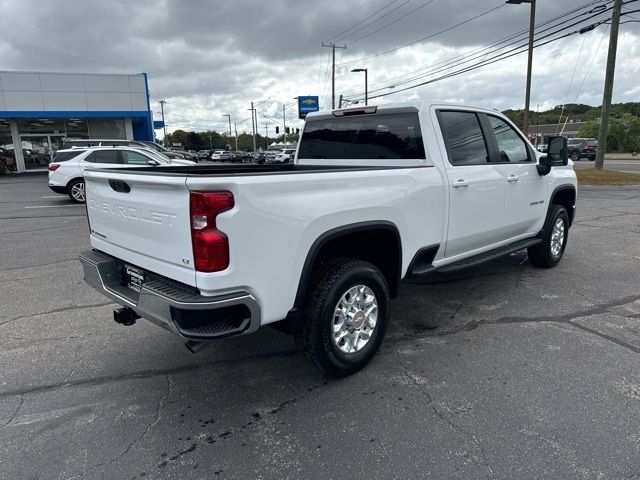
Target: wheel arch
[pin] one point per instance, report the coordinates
(73, 180)
(342, 241)
(564, 195)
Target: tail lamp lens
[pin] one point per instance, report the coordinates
(53, 167)
(210, 245)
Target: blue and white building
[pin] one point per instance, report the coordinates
(38, 110)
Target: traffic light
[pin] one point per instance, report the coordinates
(297, 130)
(277, 130)
(287, 130)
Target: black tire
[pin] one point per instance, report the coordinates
(575, 156)
(542, 255)
(76, 191)
(316, 331)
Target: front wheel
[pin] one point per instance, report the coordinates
(554, 239)
(575, 156)
(76, 191)
(346, 317)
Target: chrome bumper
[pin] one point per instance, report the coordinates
(178, 308)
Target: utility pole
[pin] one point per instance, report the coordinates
(532, 26)
(284, 125)
(608, 85)
(235, 126)
(230, 132)
(266, 136)
(164, 126)
(254, 122)
(333, 47)
(340, 101)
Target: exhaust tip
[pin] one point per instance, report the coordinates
(125, 316)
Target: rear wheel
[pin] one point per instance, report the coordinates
(346, 317)
(554, 239)
(575, 156)
(76, 191)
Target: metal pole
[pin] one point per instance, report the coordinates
(366, 96)
(266, 137)
(340, 101)
(235, 127)
(532, 26)
(608, 85)
(284, 126)
(164, 126)
(253, 126)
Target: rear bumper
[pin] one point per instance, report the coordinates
(178, 308)
(58, 188)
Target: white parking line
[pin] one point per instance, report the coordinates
(54, 206)
(50, 196)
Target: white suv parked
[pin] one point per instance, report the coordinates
(68, 166)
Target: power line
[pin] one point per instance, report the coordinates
(363, 20)
(483, 63)
(394, 21)
(466, 58)
(386, 52)
(342, 38)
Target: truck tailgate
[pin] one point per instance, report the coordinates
(143, 220)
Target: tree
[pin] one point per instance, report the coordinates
(588, 130)
(624, 132)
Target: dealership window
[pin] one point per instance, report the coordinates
(111, 128)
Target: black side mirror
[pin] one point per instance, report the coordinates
(557, 155)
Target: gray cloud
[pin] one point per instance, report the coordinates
(214, 57)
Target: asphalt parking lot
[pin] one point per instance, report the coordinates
(506, 371)
(629, 165)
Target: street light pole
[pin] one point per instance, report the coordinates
(366, 82)
(532, 25)
(164, 126)
(284, 125)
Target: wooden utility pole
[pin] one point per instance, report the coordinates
(333, 47)
(608, 84)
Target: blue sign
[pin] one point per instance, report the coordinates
(158, 124)
(307, 105)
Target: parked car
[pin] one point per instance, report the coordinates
(242, 157)
(581, 148)
(286, 156)
(160, 149)
(67, 168)
(221, 155)
(203, 154)
(376, 194)
(186, 154)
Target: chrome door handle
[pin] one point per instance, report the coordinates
(512, 178)
(460, 183)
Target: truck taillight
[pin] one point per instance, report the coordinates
(53, 167)
(210, 245)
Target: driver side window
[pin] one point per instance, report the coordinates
(134, 158)
(511, 147)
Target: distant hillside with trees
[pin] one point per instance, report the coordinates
(624, 123)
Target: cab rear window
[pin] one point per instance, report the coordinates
(392, 136)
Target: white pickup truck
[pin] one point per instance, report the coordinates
(375, 195)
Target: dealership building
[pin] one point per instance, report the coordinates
(39, 110)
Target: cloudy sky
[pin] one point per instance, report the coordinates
(210, 58)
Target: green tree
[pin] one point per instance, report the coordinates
(588, 130)
(624, 133)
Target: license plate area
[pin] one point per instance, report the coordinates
(132, 277)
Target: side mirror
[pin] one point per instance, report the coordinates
(557, 150)
(557, 155)
(153, 163)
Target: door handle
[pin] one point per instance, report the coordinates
(512, 178)
(460, 183)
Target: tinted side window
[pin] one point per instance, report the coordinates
(396, 136)
(64, 156)
(104, 156)
(135, 158)
(511, 147)
(463, 135)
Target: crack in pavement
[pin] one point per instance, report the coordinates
(39, 265)
(15, 412)
(145, 374)
(57, 310)
(566, 319)
(137, 440)
(483, 454)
